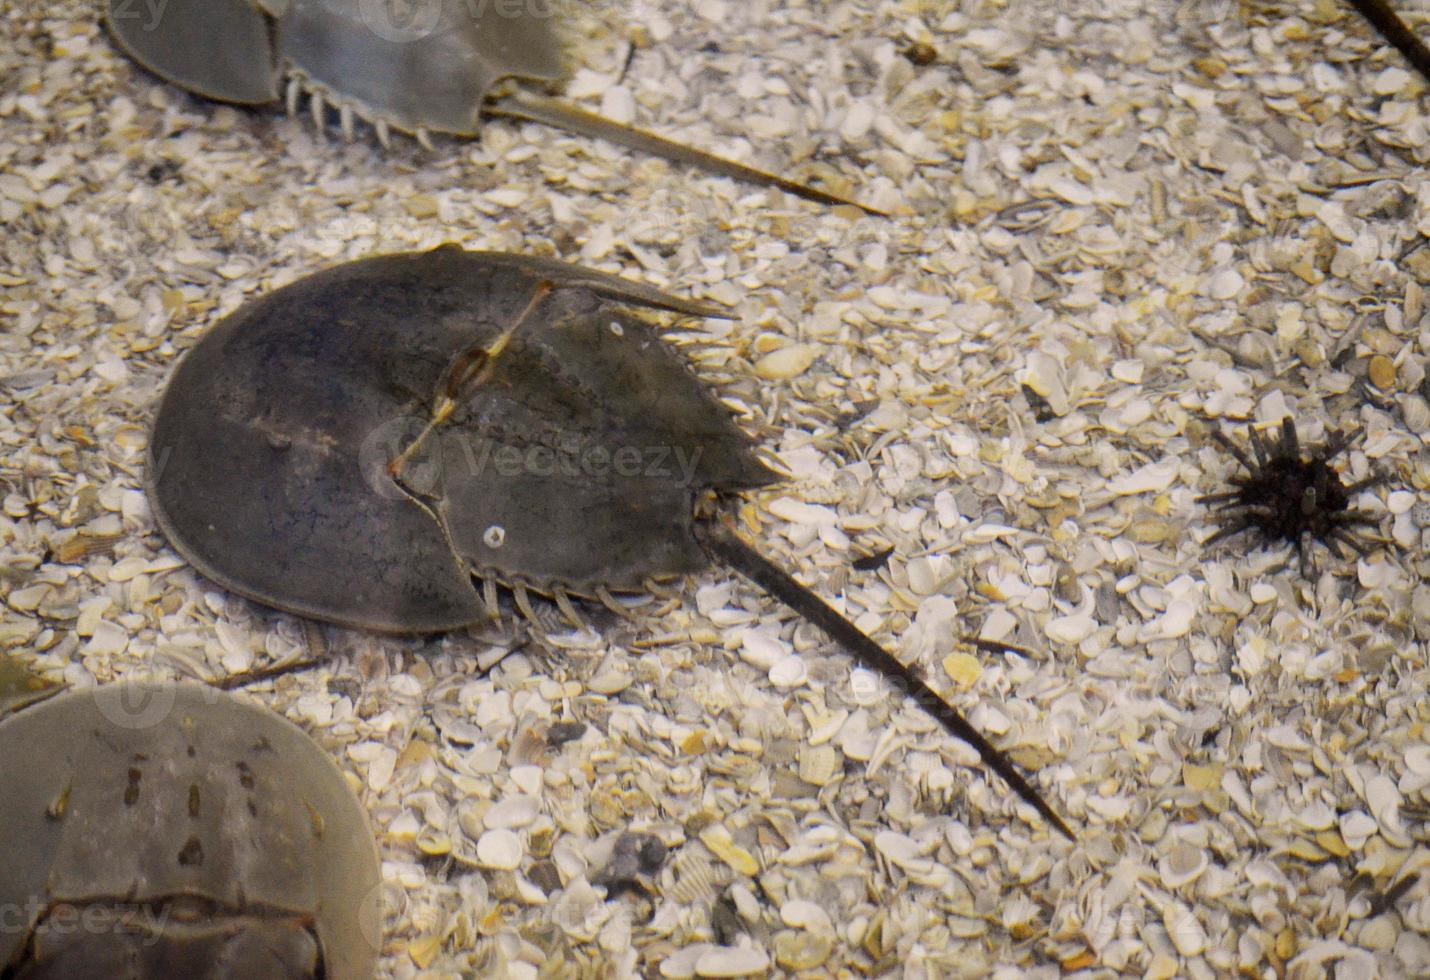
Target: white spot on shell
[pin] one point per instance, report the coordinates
(494, 536)
(617, 329)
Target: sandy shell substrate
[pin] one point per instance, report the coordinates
(1116, 226)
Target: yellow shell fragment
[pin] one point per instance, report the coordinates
(787, 362)
(802, 950)
(722, 845)
(423, 950)
(963, 669)
(1382, 371)
(1201, 778)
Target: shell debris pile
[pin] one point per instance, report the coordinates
(1114, 230)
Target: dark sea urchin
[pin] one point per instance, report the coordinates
(1287, 497)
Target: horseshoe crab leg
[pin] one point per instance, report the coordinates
(521, 104)
(20, 686)
(727, 547)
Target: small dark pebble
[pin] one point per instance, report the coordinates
(874, 562)
(651, 853)
(633, 855)
(861, 408)
(725, 921)
(1042, 411)
(161, 172)
(920, 53)
(564, 731)
(543, 875)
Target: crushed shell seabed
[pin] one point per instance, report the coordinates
(1116, 227)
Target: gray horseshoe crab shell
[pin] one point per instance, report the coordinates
(435, 69)
(369, 443)
(171, 830)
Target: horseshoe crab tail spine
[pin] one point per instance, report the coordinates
(727, 547)
(1385, 20)
(522, 104)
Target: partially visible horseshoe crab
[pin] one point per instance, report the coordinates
(419, 67)
(154, 831)
(361, 445)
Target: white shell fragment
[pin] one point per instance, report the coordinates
(789, 671)
(500, 849)
(1149, 478)
(731, 961)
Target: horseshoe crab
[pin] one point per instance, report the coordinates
(420, 67)
(170, 830)
(365, 444)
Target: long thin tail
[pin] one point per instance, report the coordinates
(521, 104)
(724, 545)
(1385, 20)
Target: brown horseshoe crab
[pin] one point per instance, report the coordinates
(364, 444)
(426, 66)
(170, 830)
